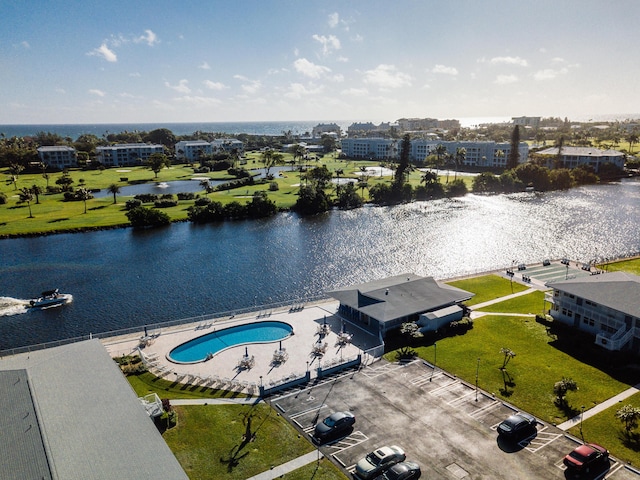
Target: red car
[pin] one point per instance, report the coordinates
(585, 456)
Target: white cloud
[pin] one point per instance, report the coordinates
(355, 92)
(334, 20)
(342, 59)
(135, 74)
(95, 91)
(104, 52)
(505, 79)
(309, 69)
(509, 61)
(549, 73)
(445, 70)
(387, 76)
(182, 86)
(149, 38)
(197, 101)
(329, 43)
(557, 60)
(61, 90)
(204, 66)
(250, 86)
(214, 85)
(298, 90)
(25, 44)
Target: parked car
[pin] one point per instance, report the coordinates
(583, 457)
(378, 461)
(333, 425)
(517, 426)
(402, 471)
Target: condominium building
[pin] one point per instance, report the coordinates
(58, 156)
(604, 305)
(127, 154)
(572, 157)
(192, 150)
(227, 145)
(478, 154)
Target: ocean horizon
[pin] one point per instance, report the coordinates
(271, 128)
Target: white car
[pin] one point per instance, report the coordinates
(378, 461)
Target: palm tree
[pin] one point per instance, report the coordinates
(15, 169)
(499, 154)
(206, 185)
(339, 172)
(26, 196)
(84, 195)
(36, 190)
(114, 190)
(460, 157)
(441, 155)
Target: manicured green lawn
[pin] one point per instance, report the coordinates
(608, 431)
(146, 383)
(233, 441)
(324, 471)
(629, 266)
(488, 287)
(532, 303)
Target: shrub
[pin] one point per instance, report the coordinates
(146, 197)
(3, 198)
(273, 186)
(187, 196)
(202, 201)
(53, 190)
(147, 217)
(133, 203)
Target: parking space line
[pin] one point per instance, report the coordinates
(444, 388)
(479, 413)
(310, 409)
(373, 372)
(461, 399)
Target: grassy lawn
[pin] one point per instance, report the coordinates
(629, 266)
(233, 441)
(532, 303)
(323, 471)
(146, 383)
(488, 287)
(52, 214)
(606, 429)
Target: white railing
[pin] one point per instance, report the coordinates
(617, 340)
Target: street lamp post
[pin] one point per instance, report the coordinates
(435, 359)
(581, 419)
(477, 371)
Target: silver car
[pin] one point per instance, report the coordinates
(378, 461)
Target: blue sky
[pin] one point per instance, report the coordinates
(198, 61)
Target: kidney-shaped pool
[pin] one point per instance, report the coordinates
(205, 346)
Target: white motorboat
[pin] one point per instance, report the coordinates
(51, 298)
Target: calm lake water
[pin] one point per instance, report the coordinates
(124, 278)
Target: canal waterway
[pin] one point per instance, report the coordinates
(125, 278)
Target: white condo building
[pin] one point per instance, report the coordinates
(479, 154)
(58, 156)
(227, 145)
(192, 150)
(573, 157)
(127, 154)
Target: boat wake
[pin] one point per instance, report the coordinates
(13, 306)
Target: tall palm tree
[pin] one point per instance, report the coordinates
(460, 157)
(84, 195)
(441, 155)
(36, 190)
(26, 196)
(114, 190)
(339, 172)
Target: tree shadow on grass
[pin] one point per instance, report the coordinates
(249, 436)
(56, 220)
(508, 382)
(630, 440)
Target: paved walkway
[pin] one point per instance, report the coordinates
(599, 408)
(290, 466)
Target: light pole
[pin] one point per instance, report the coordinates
(435, 359)
(581, 419)
(477, 370)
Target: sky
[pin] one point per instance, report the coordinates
(138, 61)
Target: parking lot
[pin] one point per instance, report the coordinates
(442, 423)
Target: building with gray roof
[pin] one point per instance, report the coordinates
(68, 412)
(572, 157)
(385, 304)
(606, 305)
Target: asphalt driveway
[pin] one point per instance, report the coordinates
(445, 425)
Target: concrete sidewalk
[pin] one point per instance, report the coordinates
(290, 466)
(599, 408)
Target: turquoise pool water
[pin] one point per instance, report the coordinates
(198, 349)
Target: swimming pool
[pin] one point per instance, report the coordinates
(198, 349)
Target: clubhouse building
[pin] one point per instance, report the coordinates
(383, 305)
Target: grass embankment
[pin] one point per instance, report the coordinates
(53, 214)
(544, 354)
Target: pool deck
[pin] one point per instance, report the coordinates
(222, 370)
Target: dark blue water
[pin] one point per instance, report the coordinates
(124, 278)
(197, 349)
(100, 129)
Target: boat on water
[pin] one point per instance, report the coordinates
(51, 298)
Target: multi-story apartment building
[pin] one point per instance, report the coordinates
(533, 122)
(58, 156)
(572, 157)
(192, 150)
(227, 145)
(479, 154)
(127, 154)
(325, 128)
(604, 305)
